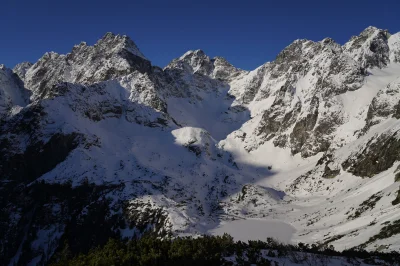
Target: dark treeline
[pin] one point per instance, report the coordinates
(215, 250)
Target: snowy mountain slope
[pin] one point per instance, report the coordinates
(204, 100)
(13, 95)
(353, 209)
(21, 69)
(318, 191)
(319, 199)
(134, 150)
(307, 144)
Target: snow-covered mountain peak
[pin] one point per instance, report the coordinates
(331, 44)
(370, 30)
(296, 95)
(370, 48)
(81, 44)
(224, 70)
(111, 57)
(192, 53)
(197, 62)
(21, 69)
(328, 40)
(193, 61)
(307, 48)
(292, 52)
(118, 42)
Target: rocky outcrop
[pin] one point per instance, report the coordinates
(303, 80)
(21, 69)
(376, 156)
(385, 104)
(111, 57)
(302, 89)
(394, 47)
(197, 62)
(370, 48)
(38, 158)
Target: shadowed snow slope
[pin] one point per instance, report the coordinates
(253, 229)
(99, 143)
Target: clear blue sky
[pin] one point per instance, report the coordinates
(247, 33)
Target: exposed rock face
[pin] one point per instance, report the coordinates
(38, 158)
(394, 46)
(377, 156)
(302, 89)
(197, 62)
(223, 70)
(111, 57)
(386, 103)
(21, 69)
(370, 48)
(303, 81)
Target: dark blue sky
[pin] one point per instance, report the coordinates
(247, 33)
